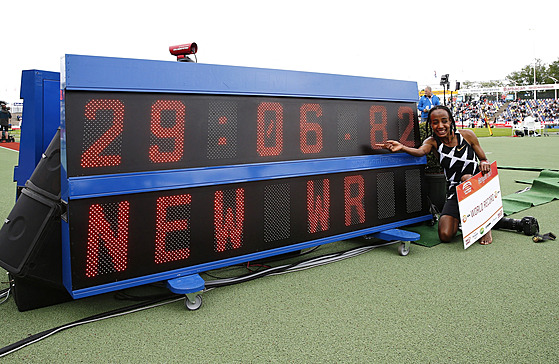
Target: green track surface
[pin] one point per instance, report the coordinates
(487, 304)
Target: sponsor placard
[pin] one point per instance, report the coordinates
(480, 204)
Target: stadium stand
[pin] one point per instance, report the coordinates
(474, 113)
(499, 113)
(545, 111)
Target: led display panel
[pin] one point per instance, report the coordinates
(127, 236)
(171, 169)
(114, 132)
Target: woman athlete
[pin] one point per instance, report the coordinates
(457, 152)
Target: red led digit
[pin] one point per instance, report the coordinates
(222, 140)
(378, 119)
(101, 230)
(310, 128)
(406, 112)
(222, 129)
(269, 133)
(92, 156)
(172, 247)
(318, 206)
(169, 148)
(354, 194)
(228, 224)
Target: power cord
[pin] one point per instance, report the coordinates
(160, 300)
(294, 267)
(5, 294)
(114, 313)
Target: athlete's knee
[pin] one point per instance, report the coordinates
(446, 236)
(448, 226)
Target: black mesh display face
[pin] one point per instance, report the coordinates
(413, 191)
(126, 221)
(112, 132)
(115, 238)
(222, 130)
(348, 125)
(386, 204)
(277, 218)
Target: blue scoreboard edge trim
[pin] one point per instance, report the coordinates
(127, 183)
(92, 73)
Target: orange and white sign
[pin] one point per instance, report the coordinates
(480, 204)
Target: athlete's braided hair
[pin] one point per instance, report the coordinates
(428, 127)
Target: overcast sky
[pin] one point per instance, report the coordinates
(407, 40)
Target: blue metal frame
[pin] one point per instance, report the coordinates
(40, 91)
(89, 73)
(396, 234)
(126, 183)
(135, 75)
(186, 284)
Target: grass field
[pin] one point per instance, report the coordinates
(497, 132)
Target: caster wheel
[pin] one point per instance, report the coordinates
(402, 250)
(193, 306)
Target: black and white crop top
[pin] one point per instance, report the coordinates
(456, 161)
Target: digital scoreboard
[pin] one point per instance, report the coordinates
(138, 132)
(170, 169)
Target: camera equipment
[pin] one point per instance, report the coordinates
(539, 238)
(183, 50)
(444, 80)
(527, 225)
(445, 83)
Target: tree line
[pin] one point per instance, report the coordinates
(545, 73)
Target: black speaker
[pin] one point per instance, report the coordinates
(37, 279)
(32, 218)
(36, 212)
(30, 239)
(45, 179)
(30, 294)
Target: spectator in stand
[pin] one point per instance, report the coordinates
(542, 110)
(5, 117)
(426, 103)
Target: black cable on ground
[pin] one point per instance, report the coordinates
(4, 295)
(114, 313)
(286, 268)
(171, 297)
